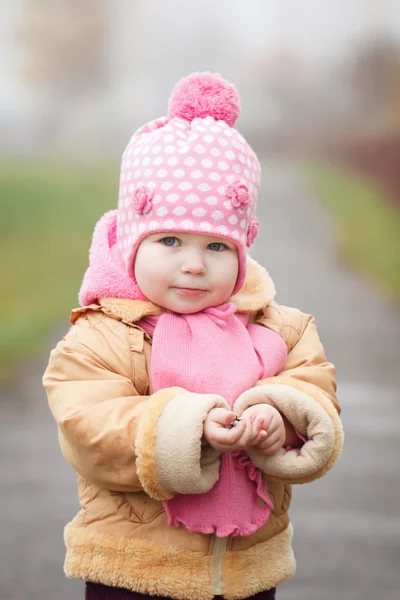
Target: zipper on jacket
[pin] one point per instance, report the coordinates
(219, 548)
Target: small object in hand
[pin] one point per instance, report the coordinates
(234, 423)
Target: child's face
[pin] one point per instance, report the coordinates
(186, 272)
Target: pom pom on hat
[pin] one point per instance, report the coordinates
(205, 94)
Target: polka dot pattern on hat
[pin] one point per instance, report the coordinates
(187, 169)
(190, 171)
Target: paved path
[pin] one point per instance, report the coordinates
(347, 526)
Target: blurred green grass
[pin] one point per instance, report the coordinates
(368, 224)
(47, 213)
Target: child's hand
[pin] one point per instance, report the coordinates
(217, 434)
(268, 428)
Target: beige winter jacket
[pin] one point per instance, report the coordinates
(132, 448)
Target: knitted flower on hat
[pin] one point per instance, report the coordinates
(190, 171)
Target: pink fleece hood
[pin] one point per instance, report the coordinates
(107, 276)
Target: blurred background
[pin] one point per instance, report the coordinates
(320, 91)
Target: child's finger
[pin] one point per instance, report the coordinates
(229, 437)
(247, 435)
(258, 431)
(270, 441)
(261, 424)
(252, 420)
(260, 437)
(222, 416)
(273, 449)
(272, 427)
(237, 431)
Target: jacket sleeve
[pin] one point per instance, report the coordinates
(305, 392)
(111, 434)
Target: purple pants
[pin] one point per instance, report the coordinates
(97, 591)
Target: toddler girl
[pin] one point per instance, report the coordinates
(187, 400)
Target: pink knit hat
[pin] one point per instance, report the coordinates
(190, 171)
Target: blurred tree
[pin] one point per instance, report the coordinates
(374, 75)
(65, 55)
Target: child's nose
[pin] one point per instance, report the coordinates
(193, 263)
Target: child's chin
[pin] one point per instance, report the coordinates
(188, 310)
(189, 307)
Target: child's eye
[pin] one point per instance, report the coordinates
(217, 246)
(170, 241)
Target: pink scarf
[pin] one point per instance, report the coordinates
(217, 351)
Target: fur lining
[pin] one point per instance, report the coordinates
(258, 289)
(145, 444)
(137, 564)
(183, 466)
(309, 418)
(131, 310)
(261, 567)
(333, 414)
(106, 274)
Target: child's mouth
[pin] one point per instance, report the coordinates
(197, 292)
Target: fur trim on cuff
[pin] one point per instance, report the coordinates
(183, 466)
(146, 440)
(307, 414)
